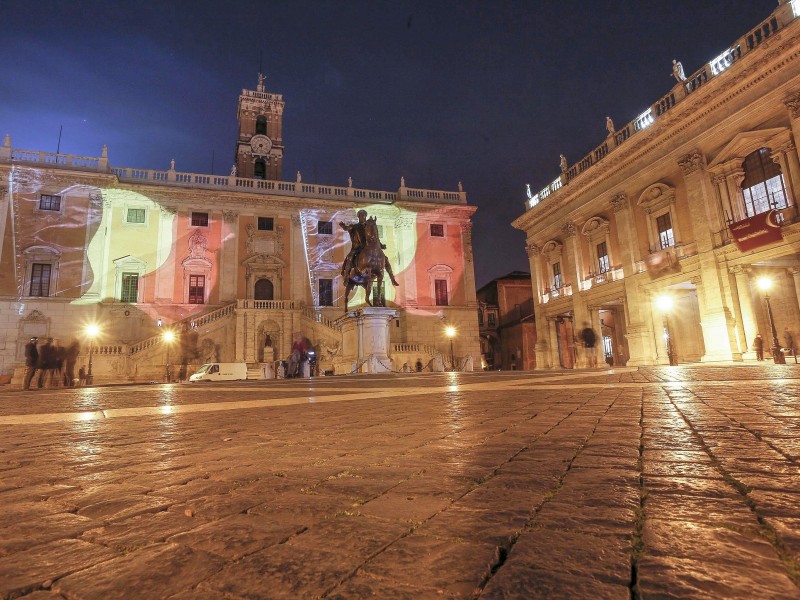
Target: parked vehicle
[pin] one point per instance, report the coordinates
(220, 372)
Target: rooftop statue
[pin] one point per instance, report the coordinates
(677, 70)
(610, 126)
(366, 260)
(563, 163)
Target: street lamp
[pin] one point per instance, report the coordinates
(665, 303)
(764, 284)
(92, 331)
(168, 336)
(450, 331)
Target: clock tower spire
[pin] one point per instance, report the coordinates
(259, 147)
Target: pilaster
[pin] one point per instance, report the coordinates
(469, 268)
(746, 314)
(229, 272)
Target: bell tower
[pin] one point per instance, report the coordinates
(259, 147)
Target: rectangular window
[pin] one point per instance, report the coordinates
(199, 219)
(379, 295)
(324, 228)
(40, 279)
(266, 224)
(437, 230)
(480, 318)
(380, 232)
(197, 289)
(602, 258)
(135, 215)
(325, 292)
(130, 288)
(558, 281)
(492, 319)
(764, 196)
(48, 202)
(666, 238)
(440, 286)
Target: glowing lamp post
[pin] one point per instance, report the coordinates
(665, 304)
(765, 284)
(168, 336)
(92, 331)
(450, 331)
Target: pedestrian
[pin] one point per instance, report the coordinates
(758, 345)
(182, 372)
(57, 374)
(788, 340)
(589, 338)
(70, 359)
(418, 366)
(31, 362)
(82, 376)
(47, 362)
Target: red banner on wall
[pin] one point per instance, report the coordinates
(757, 231)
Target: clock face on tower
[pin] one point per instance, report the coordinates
(260, 144)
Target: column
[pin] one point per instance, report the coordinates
(571, 242)
(552, 334)
(538, 286)
(716, 314)
(747, 317)
(469, 269)
(229, 268)
(300, 289)
(795, 273)
(165, 263)
(594, 323)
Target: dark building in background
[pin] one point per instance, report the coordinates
(507, 327)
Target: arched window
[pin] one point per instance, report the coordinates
(260, 169)
(762, 185)
(261, 125)
(264, 290)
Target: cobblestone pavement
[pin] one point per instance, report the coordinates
(651, 483)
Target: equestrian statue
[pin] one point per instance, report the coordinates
(366, 260)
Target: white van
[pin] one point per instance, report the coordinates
(220, 372)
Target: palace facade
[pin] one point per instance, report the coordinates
(660, 237)
(238, 265)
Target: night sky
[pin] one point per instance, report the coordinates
(436, 91)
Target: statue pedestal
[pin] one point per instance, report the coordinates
(365, 341)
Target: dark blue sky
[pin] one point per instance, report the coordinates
(437, 91)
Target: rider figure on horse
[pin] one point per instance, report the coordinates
(358, 239)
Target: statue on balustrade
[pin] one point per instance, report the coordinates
(677, 70)
(563, 162)
(610, 126)
(366, 260)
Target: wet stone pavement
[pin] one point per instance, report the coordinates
(652, 483)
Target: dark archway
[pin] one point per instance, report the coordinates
(264, 290)
(260, 169)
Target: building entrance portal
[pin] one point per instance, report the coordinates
(565, 334)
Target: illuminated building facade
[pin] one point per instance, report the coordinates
(505, 318)
(695, 199)
(237, 264)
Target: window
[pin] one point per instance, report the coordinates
(197, 289)
(40, 279)
(762, 186)
(48, 202)
(325, 292)
(199, 219)
(602, 258)
(130, 288)
(135, 215)
(492, 319)
(380, 232)
(480, 318)
(558, 281)
(437, 230)
(324, 228)
(261, 125)
(260, 169)
(666, 238)
(440, 287)
(266, 223)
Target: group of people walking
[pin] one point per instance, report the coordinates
(53, 363)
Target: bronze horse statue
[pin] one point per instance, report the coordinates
(368, 265)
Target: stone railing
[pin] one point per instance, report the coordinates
(556, 293)
(593, 280)
(318, 317)
(782, 16)
(229, 182)
(269, 304)
(413, 349)
(209, 317)
(109, 350)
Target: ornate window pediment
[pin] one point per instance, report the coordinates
(746, 143)
(657, 196)
(595, 228)
(552, 250)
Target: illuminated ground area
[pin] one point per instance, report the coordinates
(662, 482)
